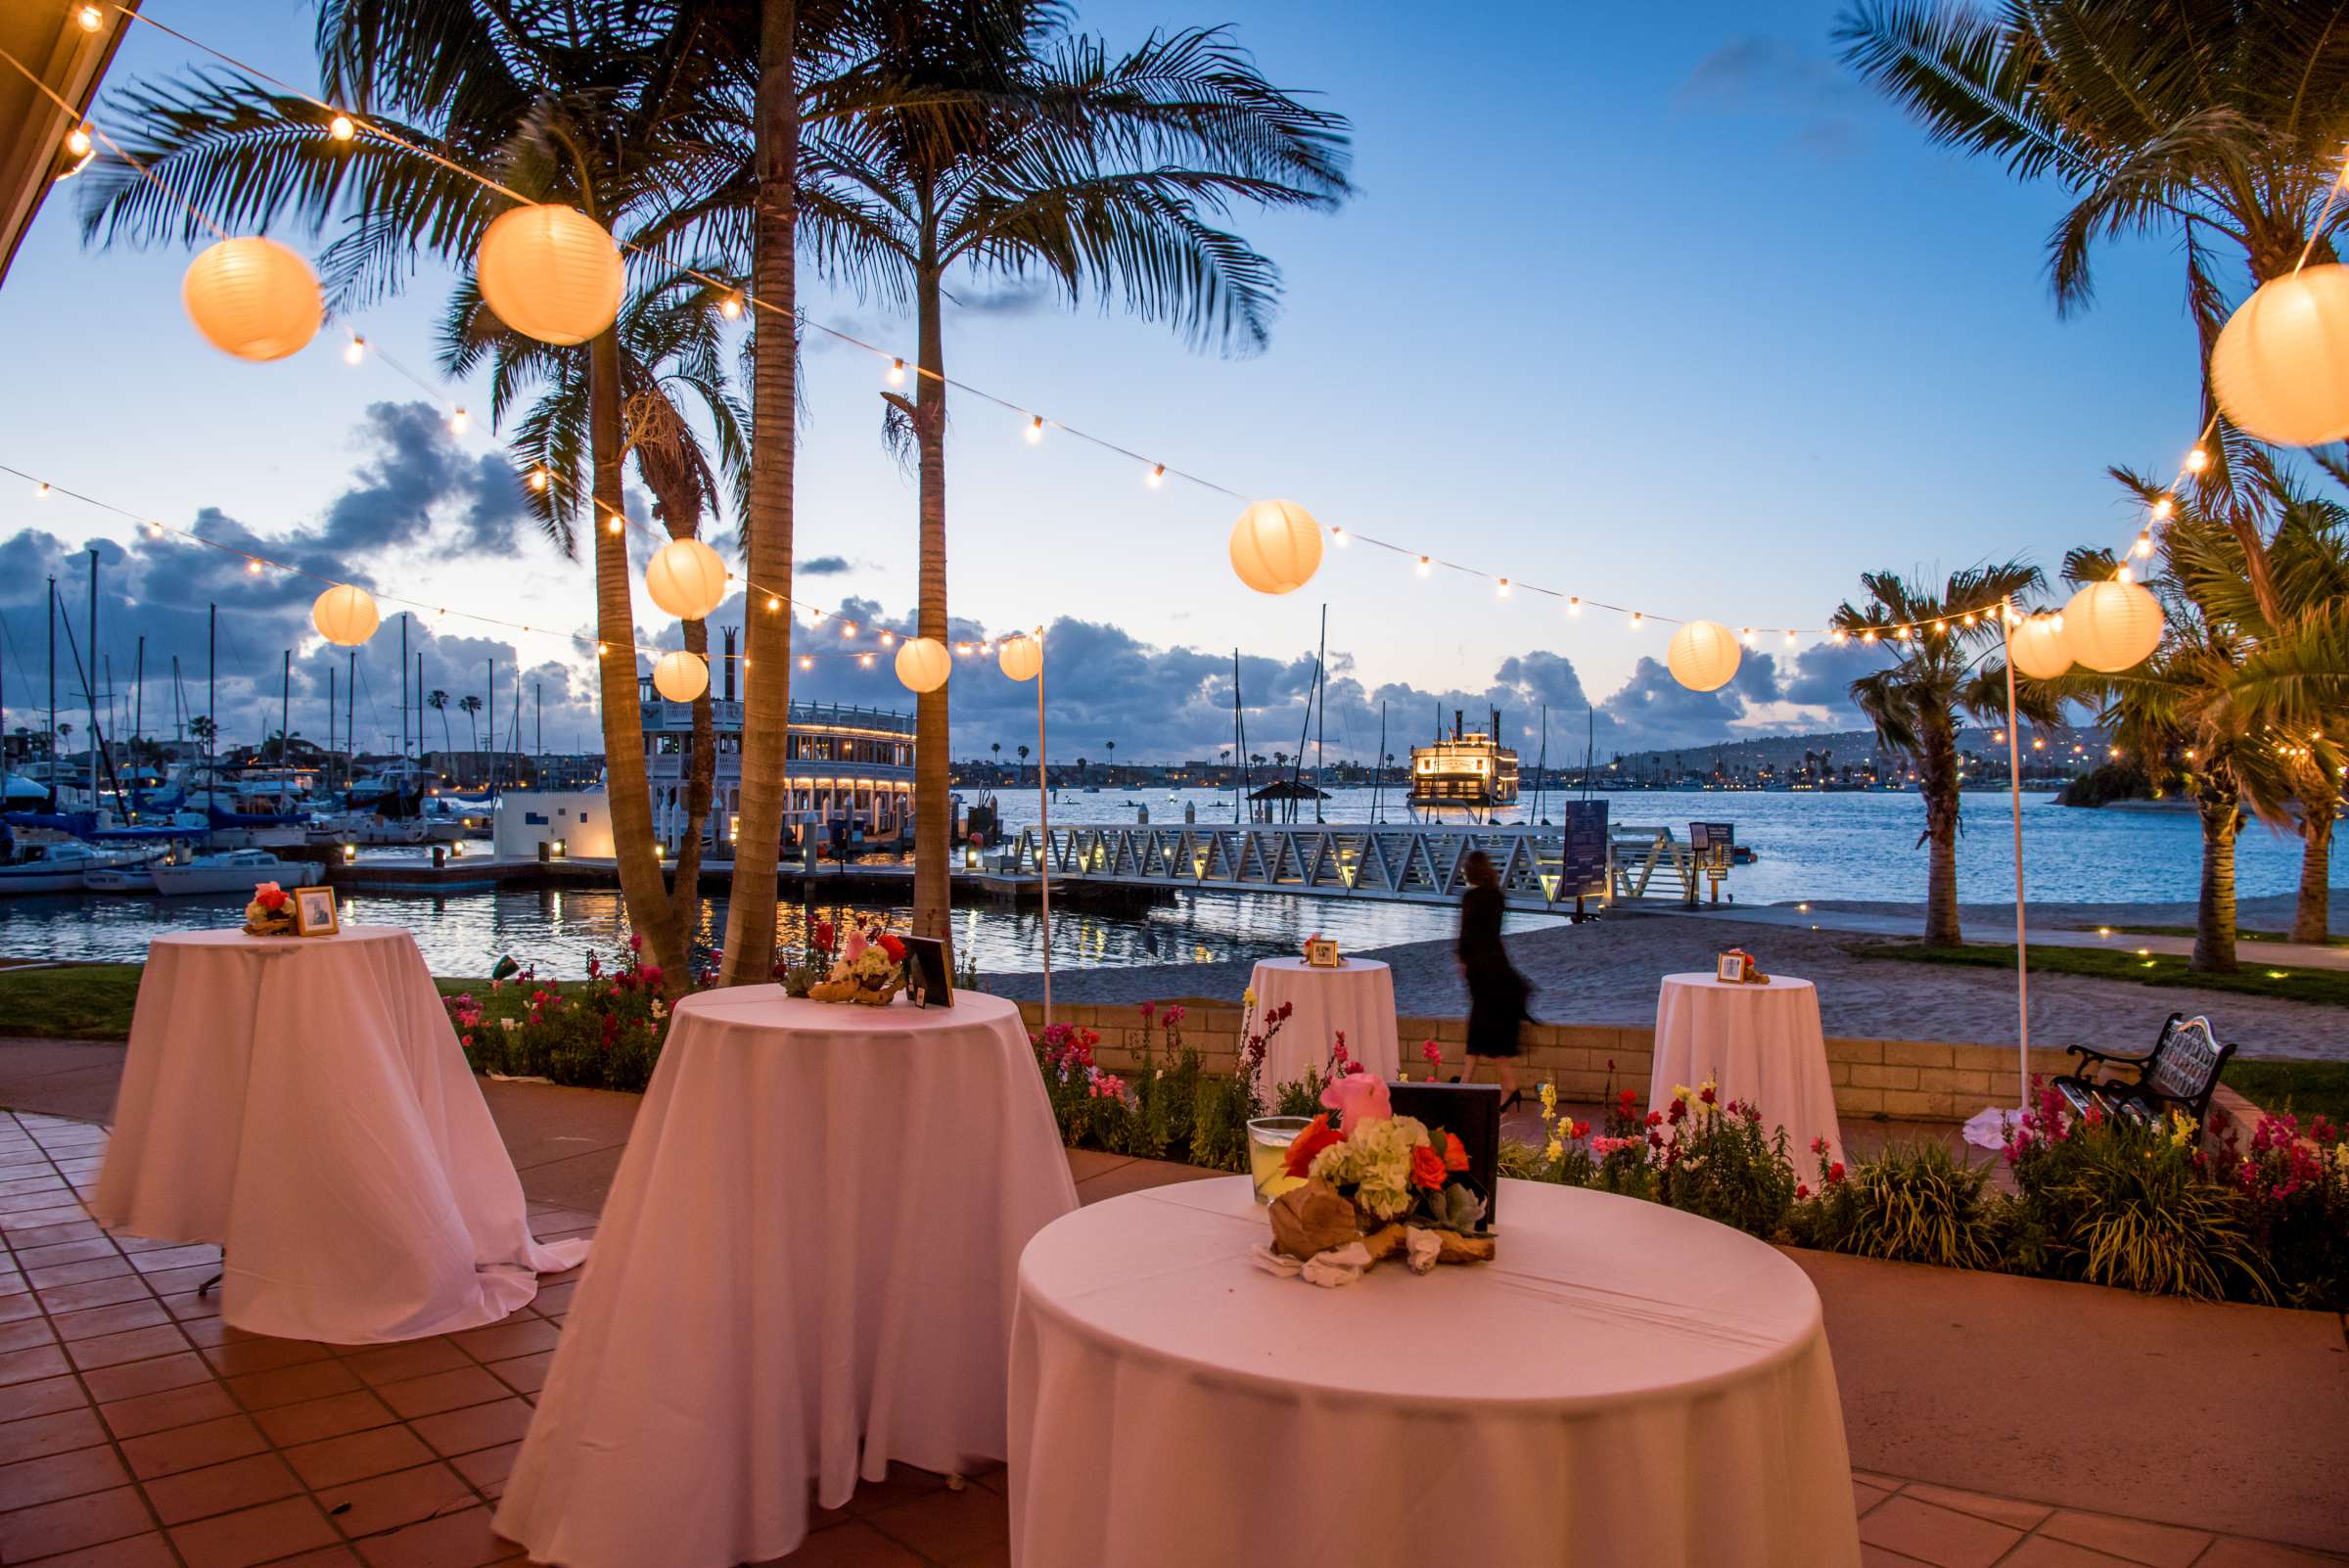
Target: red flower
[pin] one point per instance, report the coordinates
(1455, 1158)
(1427, 1167)
(1655, 1119)
(894, 948)
(1705, 1094)
(269, 895)
(1801, 1191)
(1835, 1172)
(1627, 1098)
(1318, 1136)
(1582, 1129)
(823, 935)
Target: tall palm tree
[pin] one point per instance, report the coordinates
(469, 706)
(1007, 147)
(603, 104)
(2217, 121)
(1947, 663)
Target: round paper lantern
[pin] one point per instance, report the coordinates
(1276, 547)
(1021, 658)
(680, 676)
(686, 579)
(2040, 650)
(346, 614)
(253, 298)
(923, 664)
(550, 272)
(1703, 655)
(2281, 367)
(2112, 626)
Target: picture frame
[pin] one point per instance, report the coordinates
(1471, 1112)
(1321, 952)
(315, 913)
(1729, 968)
(934, 983)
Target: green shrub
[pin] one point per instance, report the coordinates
(1914, 1203)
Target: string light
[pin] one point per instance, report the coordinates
(354, 350)
(1423, 565)
(807, 663)
(773, 604)
(90, 18)
(2196, 460)
(40, 491)
(1503, 587)
(1337, 536)
(1035, 429)
(77, 142)
(1636, 618)
(896, 372)
(730, 307)
(2162, 507)
(865, 661)
(458, 421)
(253, 566)
(1156, 477)
(540, 478)
(340, 128)
(613, 523)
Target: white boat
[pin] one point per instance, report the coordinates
(57, 866)
(236, 871)
(120, 879)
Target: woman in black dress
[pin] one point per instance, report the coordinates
(1497, 993)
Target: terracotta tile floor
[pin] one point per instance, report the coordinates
(138, 1431)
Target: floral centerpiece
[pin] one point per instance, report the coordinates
(1376, 1185)
(270, 913)
(870, 968)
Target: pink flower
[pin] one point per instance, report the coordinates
(854, 949)
(1819, 1145)
(1433, 1052)
(1359, 1097)
(1174, 1014)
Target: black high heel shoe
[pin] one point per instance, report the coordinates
(1515, 1100)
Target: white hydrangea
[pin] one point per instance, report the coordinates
(1375, 1160)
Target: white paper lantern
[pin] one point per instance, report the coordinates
(923, 664)
(2112, 626)
(1703, 655)
(253, 298)
(686, 579)
(1276, 547)
(346, 614)
(2040, 650)
(550, 272)
(2281, 367)
(1021, 658)
(680, 676)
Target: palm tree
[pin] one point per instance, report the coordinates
(470, 705)
(437, 702)
(1942, 645)
(603, 104)
(1023, 750)
(2213, 120)
(1010, 149)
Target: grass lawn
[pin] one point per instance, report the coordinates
(2304, 1088)
(2328, 987)
(2240, 935)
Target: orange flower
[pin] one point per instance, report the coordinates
(1455, 1158)
(1318, 1136)
(1427, 1167)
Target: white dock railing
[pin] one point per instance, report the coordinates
(1411, 863)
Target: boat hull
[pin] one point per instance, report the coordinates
(174, 880)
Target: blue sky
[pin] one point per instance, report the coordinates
(1651, 304)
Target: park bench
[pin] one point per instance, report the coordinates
(2181, 1071)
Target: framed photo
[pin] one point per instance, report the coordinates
(1729, 968)
(1320, 952)
(1473, 1113)
(933, 984)
(314, 912)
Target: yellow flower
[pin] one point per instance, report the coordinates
(1549, 1098)
(1247, 998)
(1555, 1152)
(1683, 1093)
(2183, 1128)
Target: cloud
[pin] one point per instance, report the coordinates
(1761, 77)
(1021, 296)
(823, 566)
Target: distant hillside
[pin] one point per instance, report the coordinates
(1851, 747)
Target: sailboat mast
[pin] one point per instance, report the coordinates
(1321, 712)
(403, 683)
(212, 689)
(89, 682)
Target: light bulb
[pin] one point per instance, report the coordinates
(729, 305)
(1337, 536)
(848, 628)
(1503, 587)
(252, 566)
(1747, 632)
(340, 128)
(1839, 637)
(2122, 574)
(1035, 430)
(1636, 618)
(155, 530)
(40, 491)
(1870, 635)
(773, 604)
(2196, 460)
(888, 640)
(865, 659)
(2145, 544)
(1790, 639)
(2055, 620)
(962, 648)
(1899, 634)
(354, 351)
(540, 478)
(1573, 604)
(2162, 506)
(1423, 565)
(77, 142)
(1969, 618)
(614, 524)
(896, 373)
(1156, 477)
(807, 663)
(90, 18)
(458, 421)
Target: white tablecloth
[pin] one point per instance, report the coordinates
(1758, 1043)
(304, 1103)
(805, 1270)
(1627, 1384)
(1356, 997)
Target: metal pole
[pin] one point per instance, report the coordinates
(2014, 797)
(1044, 826)
(1321, 712)
(211, 706)
(285, 721)
(89, 682)
(51, 747)
(329, 726)
(403, 684)
(351, 716)
(1378, 764)
(493, 757)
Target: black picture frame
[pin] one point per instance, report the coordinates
(928, 957)
(1471, 1112)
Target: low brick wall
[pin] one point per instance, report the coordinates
(1929, 1081)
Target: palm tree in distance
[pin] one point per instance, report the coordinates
(1023, 750)
(1028, 152)
(2217, 124)
(470, 705)
(1946, 663)
(437, 702)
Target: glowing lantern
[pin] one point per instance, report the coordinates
(2281, 367)
(2112, 626)
(550, 272)
(253, 298)
(1703, 655)
(923, 664)
(1276, 547)
(346, 614)
(1021, 658)
(2040, 649)
(680, 676)
(686, 579)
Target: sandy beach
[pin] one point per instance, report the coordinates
(1607, 972)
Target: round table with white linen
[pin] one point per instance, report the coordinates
(804, 1271)
(1761, 1045)
(1625, 1383)
(1357, 999)
(303, 1102)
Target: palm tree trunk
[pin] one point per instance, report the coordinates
(750, 951)
(700, 779)
(933, 875)
(2312, 916)
(628, 794)
(2213, 912)
(1937, 781)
